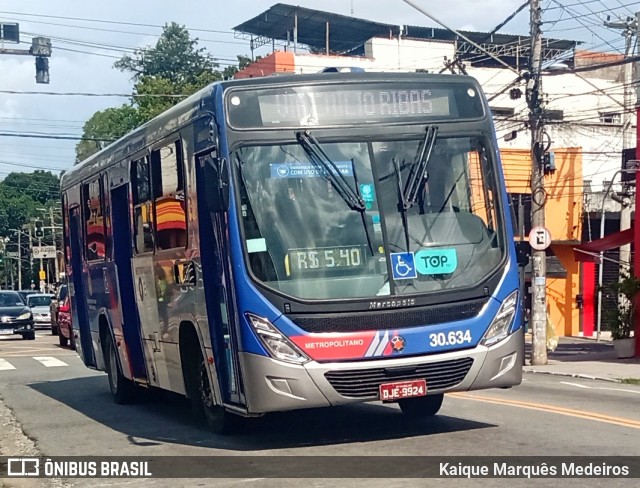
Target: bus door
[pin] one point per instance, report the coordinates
(142, 270)
(121, 228)
(81, 317)
(216, 274)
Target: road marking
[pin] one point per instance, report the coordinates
(637, 392)
(575, 384)
(598, 417)
(50, 362)
(6, 365)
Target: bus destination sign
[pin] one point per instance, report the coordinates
(330, 105)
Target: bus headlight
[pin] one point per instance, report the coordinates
(278, 346)
(499, 328)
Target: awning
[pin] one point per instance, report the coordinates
(587, 252)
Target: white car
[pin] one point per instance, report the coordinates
(40, 303)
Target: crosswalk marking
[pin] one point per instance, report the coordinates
(6, 365)
(50, 362)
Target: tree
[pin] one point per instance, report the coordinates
(175, 58)
(104, 127)
(22, 193)
(163, 75)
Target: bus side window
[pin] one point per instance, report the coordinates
(168, 194)
(94, 223)
(142, 212)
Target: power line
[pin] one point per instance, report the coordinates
(88, 94)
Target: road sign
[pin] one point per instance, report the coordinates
(13, 254)
(539, 238)
(43, 252)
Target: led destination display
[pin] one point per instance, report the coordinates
(347, 104)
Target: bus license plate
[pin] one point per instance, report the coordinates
(404, 389)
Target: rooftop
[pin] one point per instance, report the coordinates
(330, 33)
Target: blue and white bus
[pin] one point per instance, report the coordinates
(299, 241)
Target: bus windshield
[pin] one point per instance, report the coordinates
(304, 240)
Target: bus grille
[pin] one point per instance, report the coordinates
(365, 383)
(388, 319)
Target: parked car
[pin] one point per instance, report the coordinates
(59, 297)
(15, 316)
(40, 304)
(65, 332)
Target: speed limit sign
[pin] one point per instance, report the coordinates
(539, 238)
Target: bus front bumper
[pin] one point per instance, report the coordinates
(275, 386)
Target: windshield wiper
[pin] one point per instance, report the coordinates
(330, 171)
(418, 171)
(417, 175)
(332, 174)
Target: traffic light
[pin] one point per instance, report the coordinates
(41, 49)
(39, 230)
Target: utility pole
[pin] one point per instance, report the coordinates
(19, 260)
(629, 28)
(538, 195)
(636, 232)
(53, 234)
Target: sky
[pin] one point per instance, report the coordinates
(88, 37)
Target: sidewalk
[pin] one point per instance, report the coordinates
(581, 357)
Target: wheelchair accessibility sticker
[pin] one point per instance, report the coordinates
(403, 266)
(436, 261)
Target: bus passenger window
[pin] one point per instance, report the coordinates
(143, 217)
(94, 223)
(169, 197)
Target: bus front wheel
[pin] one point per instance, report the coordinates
(219, 420)
(420, 407)
(122, 389)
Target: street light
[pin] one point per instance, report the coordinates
(601, 266)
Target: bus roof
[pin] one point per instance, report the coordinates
(202, 102)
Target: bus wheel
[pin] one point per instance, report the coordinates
(122, 389)
(420, 407)
(219, 420)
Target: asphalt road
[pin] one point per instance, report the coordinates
(66, 409)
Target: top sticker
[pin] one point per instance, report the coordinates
(436, 261)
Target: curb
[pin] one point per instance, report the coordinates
(574, 375)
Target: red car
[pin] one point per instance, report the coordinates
(65, 332)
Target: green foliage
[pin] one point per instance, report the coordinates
(175, 58)
(174, 66)
(621, 319)
(105, 126)
(22, 193)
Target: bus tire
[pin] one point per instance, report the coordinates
(218, 419)
(421, 407)
(122, 389)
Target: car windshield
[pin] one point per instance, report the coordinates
(38, 301)
(304, 239)
(10, 299)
